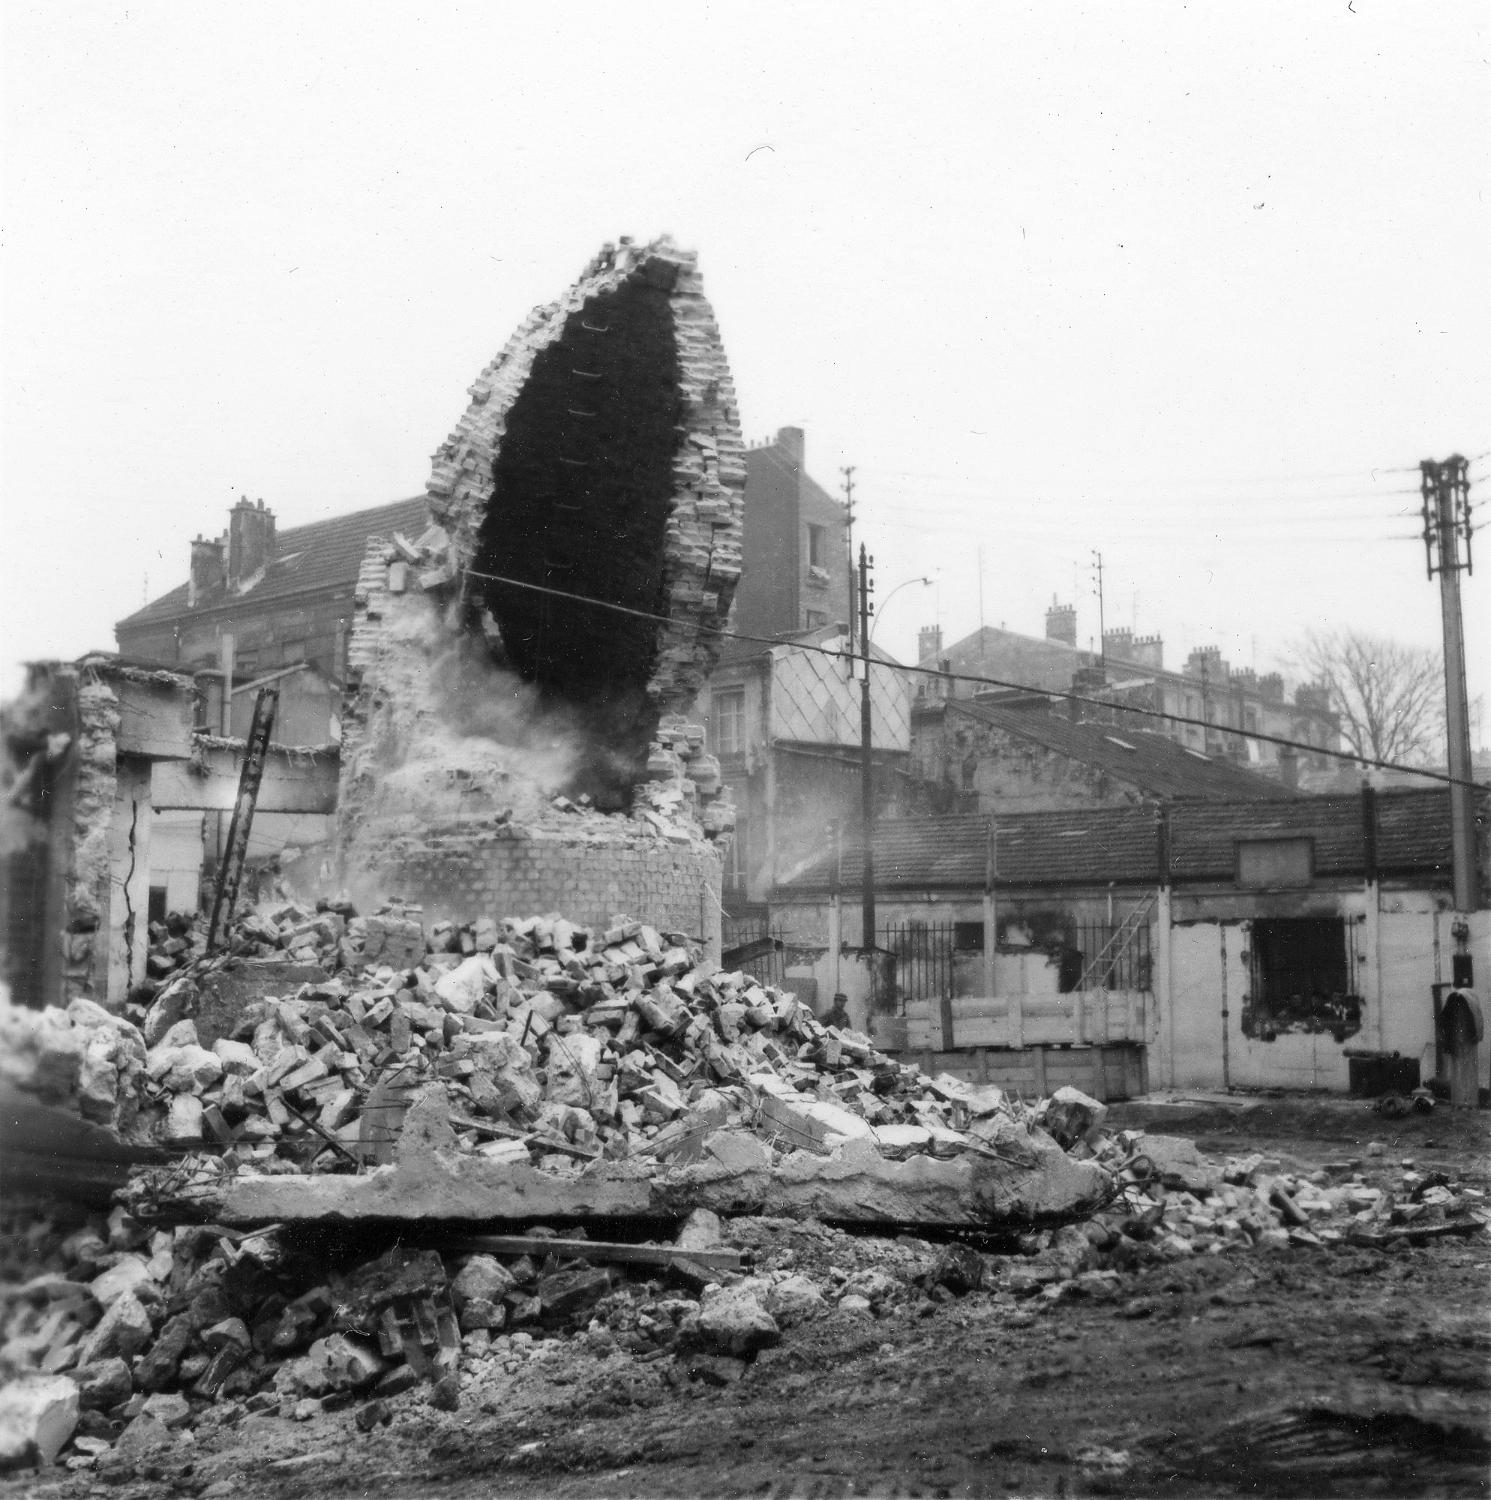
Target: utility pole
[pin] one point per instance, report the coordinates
(848, 472)
(866, 763)
(1446, 494)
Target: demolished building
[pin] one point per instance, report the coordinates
(600, 459)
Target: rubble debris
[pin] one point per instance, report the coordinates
(585, 1086)
(277, 1320)
(564, 1071)
(38, 1414)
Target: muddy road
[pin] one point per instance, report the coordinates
(1339, 1371)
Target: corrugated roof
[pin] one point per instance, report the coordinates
(323, 554)
(1096, 845)
(1153, 764)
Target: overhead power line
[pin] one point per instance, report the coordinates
(981, 680)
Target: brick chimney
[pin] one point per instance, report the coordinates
(207, 568)
(250, 540)
(1119, 644)
(1089, 682)
(1208, 660)
(1147, 651)
(1289, 767)
(1061, 623)
(792, 442)
(928, 642)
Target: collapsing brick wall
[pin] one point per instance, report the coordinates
(74, 828)
(600, 459)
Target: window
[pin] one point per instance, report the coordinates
(968, 937)
(1275, 862)
(817, 546)
(1302, 978)
(814, 619)
(729, 722)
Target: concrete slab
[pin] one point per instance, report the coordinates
(430, 1179)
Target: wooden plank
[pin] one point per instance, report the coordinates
(945, 1018)
(302, 784)
(612, 1250)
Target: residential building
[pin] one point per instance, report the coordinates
(260, 606)
(1130, 674)
(1200, 945)
(1019, 754)
(784, 721)
(795, 555)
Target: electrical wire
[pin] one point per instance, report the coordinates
(984, 681)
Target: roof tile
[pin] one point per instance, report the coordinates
(323, 554)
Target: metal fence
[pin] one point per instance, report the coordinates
(919, 965)
(1126, 967)
(768, 965)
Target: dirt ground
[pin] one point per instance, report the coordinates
(1342, 1371)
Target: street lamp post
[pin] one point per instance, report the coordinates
(866, 763)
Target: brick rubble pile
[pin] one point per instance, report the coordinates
(556, 1047)
(121, 1336)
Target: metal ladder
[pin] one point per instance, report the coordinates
(230, 871)
(1113, 950)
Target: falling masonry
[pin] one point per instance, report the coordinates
(515, 1111)
(600, 459)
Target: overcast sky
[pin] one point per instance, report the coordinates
(1193, 286)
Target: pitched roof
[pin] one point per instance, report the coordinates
(323, 554)
(1093, 846)
(1149, 762)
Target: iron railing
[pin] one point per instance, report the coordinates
(918, 964)
(768, 966)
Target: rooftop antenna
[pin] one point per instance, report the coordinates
(1097, 568)
(981, 606)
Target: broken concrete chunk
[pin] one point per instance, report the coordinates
(794, 1299)
(184, 1121)
(121, 1333)
(184, 1069)
(567, 1293)
(483, 1278)
(958, 1267)
(170, 1410)
(103, 1384)
(38, 1414)
(158, 1368)
(230, 1331)
(127, 1273)
(143, 1435)
(462, 987)
(733, 1321)
(1070, 1116)
(1180, 1164)
(702, 1230)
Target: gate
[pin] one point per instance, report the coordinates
(919, 965)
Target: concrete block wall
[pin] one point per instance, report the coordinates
(590, 880)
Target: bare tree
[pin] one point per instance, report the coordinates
(1390, 696)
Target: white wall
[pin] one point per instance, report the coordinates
(1394, 975)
